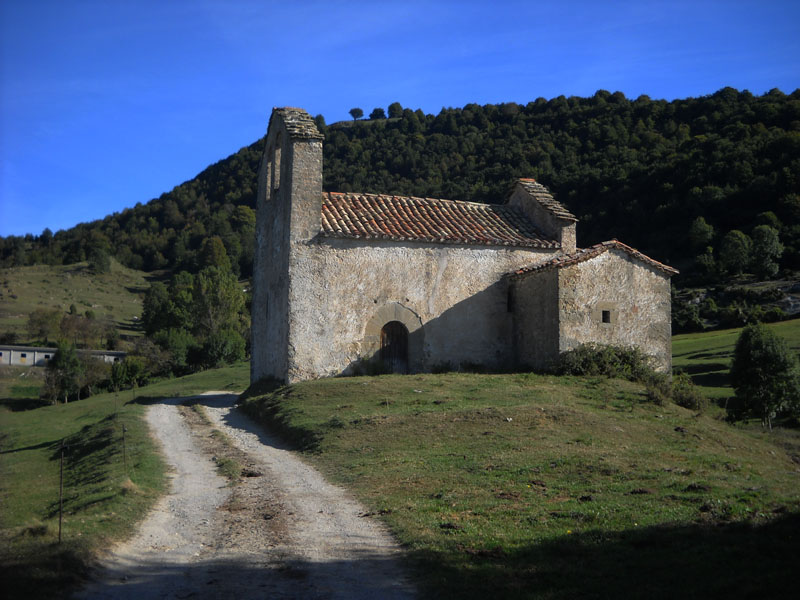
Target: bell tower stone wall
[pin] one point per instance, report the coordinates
(288, 208)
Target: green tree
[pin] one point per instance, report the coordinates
(64, 375)
(44, 324)
(701, 233)
(156, 308)
(179, 345)
(129, 372)
(221, 347)
(705, 263)
(735, 252)
(767, 249)
(99, 261)
(213, 254)
(218, 302)
(356, 113)
(377, 113)
(96, 372)
(765, 375)
(395, 110)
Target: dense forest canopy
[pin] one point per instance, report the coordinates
(641, 170)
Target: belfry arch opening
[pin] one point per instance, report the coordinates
(394, 347)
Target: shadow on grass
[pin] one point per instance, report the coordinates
(20, 404)
(708, 374)
(695, 369)
(700, 561)
(711, 379)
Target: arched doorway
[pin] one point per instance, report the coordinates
(394, 347)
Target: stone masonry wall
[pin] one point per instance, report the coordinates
(287, 214)
(535, 299)
(560, 229)
(341, 288)
(634, 296)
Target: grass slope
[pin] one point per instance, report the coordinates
(543, 487)
(102, 500)
(116, 295)
(707, 356)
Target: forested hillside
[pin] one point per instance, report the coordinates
(641, 170)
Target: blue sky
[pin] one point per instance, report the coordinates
(106, 103)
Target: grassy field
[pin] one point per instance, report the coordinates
(103, 500)
(515, 485)
(543, 487)
(116, 296)
(707, 356)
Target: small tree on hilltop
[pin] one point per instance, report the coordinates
(378, 113)
(395, 110)
(765, 375)
(356, 113)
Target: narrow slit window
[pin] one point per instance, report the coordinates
(276, 164)
(606, 316)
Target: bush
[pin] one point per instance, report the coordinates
(222, 347)
(658, 388)
(685, 394)
(611, 361)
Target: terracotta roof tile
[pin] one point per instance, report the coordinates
(298, 123)
(566, 260)
(387, 217)
(545, 198)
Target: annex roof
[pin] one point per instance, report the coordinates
(545, 198)
(298, 123)
(403, 218)
(584, 254)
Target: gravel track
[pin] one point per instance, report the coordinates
(283, 532)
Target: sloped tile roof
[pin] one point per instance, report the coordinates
(387, 217)
(298, 123)
(545, 198)
(584, 254)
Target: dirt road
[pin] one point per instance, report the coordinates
(284, 532)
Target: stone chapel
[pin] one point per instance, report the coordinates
(345, 279)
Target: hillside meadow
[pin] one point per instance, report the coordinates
(533, 486)
(115, 296)
(501, 485)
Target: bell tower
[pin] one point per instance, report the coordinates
(288, 208)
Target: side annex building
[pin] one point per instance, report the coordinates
(344, 279)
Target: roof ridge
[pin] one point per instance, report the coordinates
(584, 254)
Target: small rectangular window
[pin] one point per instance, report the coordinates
(606, 316)
(24, 355)
(46, 356)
